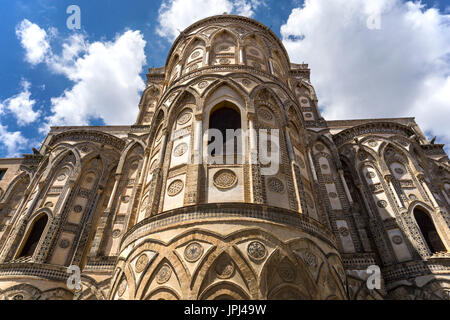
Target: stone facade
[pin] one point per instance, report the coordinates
(145, 217)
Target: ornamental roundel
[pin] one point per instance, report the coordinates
(333, 195)
(78, 208)
(126, 199)
(308, 115)
(203, 84)
(89, 179)
(85, 149)
(122, 286)
(224, 61)
(325, 167)
(286, 271)
(256, 250)
(265, 114)
(48, 204)
(164, 274)
(193, 252)
(373, 143)
(116, 233)
(275, 185)
(61, 177)
(195, 54)
(180, 149)
(320, 147)
(224, 267)
(310, 259)
(18, 297)
(304, 101)
(382, 204)
(412, 197)
(397, 239)
(175, 188)
(246, 83)
(134, 165)
(370, 175)
(184, 118)
(64, 243)
(141, 263)
(399, 171)
(225, 179)
(343, 231)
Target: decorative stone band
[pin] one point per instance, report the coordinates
(434, 149)
(44, 271)
(373, 127)
(358, 260)
(415, 269)
(207, 71)
(227, 19)
(225, 211)
(90, 136)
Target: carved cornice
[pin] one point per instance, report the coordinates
(88, 136)
(434, 149)
(222, 211)
(372, 128)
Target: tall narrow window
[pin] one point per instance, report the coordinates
(34, 237)
(223, 119)
(428, 230)
(2, 173)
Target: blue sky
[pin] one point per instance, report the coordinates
(379, 65)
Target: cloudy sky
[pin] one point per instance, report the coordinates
(369, 58)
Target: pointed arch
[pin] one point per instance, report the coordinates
(428, 229)
(33, 236)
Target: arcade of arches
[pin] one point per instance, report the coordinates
(144, 214)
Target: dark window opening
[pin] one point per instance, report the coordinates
(429, 232)
(222, 119)
(34, 237)
(2, 173)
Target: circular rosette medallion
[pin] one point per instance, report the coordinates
(175, 188)
(257, 251)
(225, 179)
(193, 252)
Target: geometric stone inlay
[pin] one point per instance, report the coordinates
(164, 274)
(175, 188)
(256, 250)
(193, 252)
(225, 179)
(275, 185)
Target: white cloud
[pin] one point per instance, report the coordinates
(21, 105)
(13, 141)
(176, 15)
(107, 80)
(106, 75)
(402, 69)
(34, 40)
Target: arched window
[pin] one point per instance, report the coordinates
(34, 236)
(223, 118)
(428, 230)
